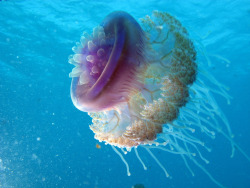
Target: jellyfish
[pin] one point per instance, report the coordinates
(142, 85)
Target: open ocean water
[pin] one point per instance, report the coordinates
(46, 142)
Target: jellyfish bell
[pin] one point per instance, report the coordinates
(143, 87)
(109, 64)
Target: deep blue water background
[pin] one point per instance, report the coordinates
(46, 142)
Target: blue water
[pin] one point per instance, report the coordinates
(46, 142)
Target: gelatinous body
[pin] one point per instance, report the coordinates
(132, 85)
(138, 83)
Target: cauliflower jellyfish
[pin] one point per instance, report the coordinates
(143, 87)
